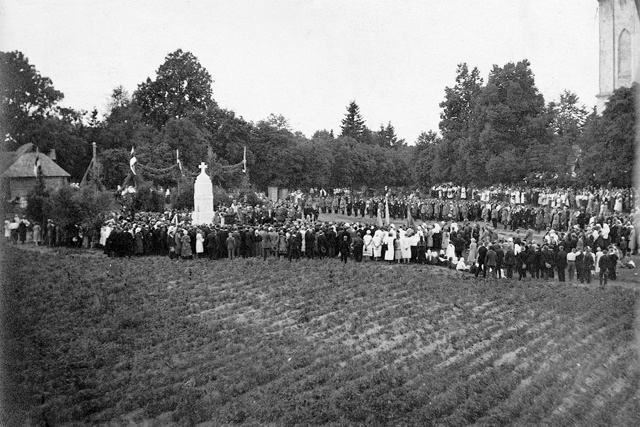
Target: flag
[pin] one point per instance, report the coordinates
(174, 221)
(386, 209)
(410, 222)
(37, 166)
(132, 161)
(244, 160)
(178, 160)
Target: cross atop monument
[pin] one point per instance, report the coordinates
(202, 167)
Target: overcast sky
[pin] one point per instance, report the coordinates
(307, 59)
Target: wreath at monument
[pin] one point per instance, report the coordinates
(159, 174)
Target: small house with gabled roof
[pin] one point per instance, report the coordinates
(18, 172)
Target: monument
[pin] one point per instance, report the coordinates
(619, 24)
(202, 198)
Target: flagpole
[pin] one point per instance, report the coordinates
(244, 160)
(386, 208)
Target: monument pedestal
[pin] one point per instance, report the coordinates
(202, 198)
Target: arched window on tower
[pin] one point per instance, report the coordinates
(624, 58)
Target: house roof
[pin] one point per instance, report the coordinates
(22, 166)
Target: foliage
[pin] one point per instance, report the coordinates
(181, 86)
(459, 103)
(26, 97)
(37, 203)
(608, 142)
(220, 197)
(70, 206)
(116, 161)
(498, 132)
(388, 138)
(182, 196)
(509, 121)
(146, 199)
(352, 123)
(313, 343)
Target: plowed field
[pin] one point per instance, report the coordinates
(148, 341)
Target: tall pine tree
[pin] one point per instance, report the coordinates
(353, 124)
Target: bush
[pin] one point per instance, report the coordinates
(220, 197)
(146, 199)
(183, 199)
(68, 206)
(37, 201)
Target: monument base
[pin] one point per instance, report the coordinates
(201, 218)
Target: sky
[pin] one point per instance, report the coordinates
(306, 60)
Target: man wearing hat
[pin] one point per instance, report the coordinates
(605, 265)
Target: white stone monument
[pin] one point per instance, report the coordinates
(202, 198)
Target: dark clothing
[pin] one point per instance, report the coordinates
(491, 262)
(604, 264)
(509, 262)
(293, 247)
(345, 250)
(561, 264)
(482, 254)
(358, 245)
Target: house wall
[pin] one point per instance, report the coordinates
(20, 187)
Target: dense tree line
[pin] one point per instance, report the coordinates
(498, 132)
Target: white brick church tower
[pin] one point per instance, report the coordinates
(619, 46)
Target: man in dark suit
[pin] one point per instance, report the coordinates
(482, 255)
(561, 263)
(491, 262)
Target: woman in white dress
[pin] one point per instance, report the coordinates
(617, 207)
(377, 244)
(388, 254)
(450, 252)
(405, 247)
(445, 239)
(368, 245)
(199, 243)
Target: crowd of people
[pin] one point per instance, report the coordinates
(577, 232)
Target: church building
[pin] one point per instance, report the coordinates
(619, 27)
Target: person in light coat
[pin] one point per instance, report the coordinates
(199, 243)
(388, 240)
(473, 252)
(368, 244)
(378, 240)
(405, 247)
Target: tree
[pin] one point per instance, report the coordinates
(452, 158)
(322, 135)
(426, 139)
(609, 141)
(458, 104)
(509, 120)
(182, 85)
(277, 156)
(185, 136)
(278, 122)
(352, 123)
(424, 158)
(569, 117)
(26, 97)
(388, 137)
